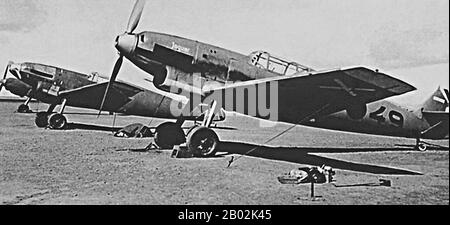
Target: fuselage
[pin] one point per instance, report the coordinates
(46, 83)
(381, 118)
(178, 62)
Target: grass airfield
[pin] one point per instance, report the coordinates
(88, 165)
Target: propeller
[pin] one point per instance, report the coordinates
(3, 81)
(135, 16)
(112, 79)
(133, 22)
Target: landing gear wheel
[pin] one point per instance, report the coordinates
(421, 147)
(168, 135)
(41, 119)
(57, 121)
(203, 142)
(23, 108)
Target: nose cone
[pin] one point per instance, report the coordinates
(126, 43)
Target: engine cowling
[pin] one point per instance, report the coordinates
(176, 81)
(17, 87)
(160, 77)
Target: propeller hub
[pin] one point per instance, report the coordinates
(126, 43)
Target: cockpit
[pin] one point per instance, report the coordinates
(40, 70)
(265, 60)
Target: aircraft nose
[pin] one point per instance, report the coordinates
(126, 43)
(14, 69)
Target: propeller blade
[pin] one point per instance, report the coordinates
(4, 77)
(135, 15)
(112, 79)
(6, 71)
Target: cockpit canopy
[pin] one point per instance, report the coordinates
(277, 65)
(39, 69)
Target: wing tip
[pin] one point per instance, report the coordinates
(381, 80)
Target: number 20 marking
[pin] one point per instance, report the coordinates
(395, 117)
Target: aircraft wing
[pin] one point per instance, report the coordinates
(90, 96)
(303, 97)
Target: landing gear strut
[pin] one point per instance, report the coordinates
(42, 117)
(24, 108)
(202, 141)
(56, 121)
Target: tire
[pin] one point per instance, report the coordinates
(356, 111)
(421, 147)
(23, 109)
(168, 135)
(203, 142)
(41, 119)
(57, 121)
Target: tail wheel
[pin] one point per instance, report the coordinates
(57, 121)
(421, 147)
(41, 119)
(203, 142)
(168, 135)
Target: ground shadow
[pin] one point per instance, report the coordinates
(304, 156)
(69, 113)
(358, 185)
(80, 126)
(429, 148)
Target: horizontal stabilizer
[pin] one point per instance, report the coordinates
(434, 117)
(380, 80)
(439, 122)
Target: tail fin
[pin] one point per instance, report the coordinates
(438, 102)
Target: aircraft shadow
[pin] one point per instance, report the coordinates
(432, 148)
(359, 185)
(70, 113)
(303, 156)
(80, 126)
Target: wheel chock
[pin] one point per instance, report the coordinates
(181, 151)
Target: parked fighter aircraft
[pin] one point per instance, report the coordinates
(301, 94)
(56, 86)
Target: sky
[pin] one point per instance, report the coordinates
(408, 39)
